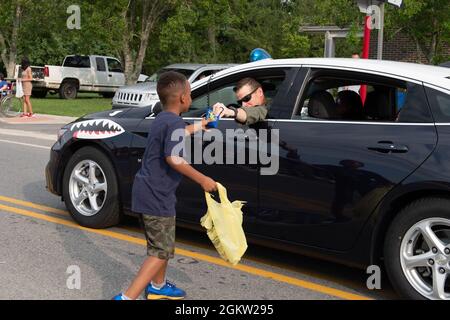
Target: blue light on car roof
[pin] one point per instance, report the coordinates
(259, 54)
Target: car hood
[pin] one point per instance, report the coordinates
(107, 114)
(140, 88)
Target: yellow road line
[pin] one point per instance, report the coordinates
(33, 205)
(252, 270)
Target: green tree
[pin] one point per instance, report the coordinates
(11, 15)
(139, 20)
(46, 38)
(426, 22)
(195, 31)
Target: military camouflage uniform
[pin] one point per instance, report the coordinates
(160, 235)
(255, 114)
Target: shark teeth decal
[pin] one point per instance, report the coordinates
(96, 129)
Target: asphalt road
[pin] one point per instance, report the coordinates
(44, 254)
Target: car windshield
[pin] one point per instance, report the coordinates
(155, 77)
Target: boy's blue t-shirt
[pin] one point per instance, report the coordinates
(156, 182)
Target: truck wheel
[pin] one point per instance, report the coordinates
(90, 189)
(39, 94)
(417, 250)
(68, 90)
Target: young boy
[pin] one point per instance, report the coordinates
(154, 187)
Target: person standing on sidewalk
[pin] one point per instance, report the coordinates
(27, 78)
(155, 184)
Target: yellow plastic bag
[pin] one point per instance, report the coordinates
(223, 222)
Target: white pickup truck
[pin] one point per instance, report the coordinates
(100, 74)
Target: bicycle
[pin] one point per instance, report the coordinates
(10, 105)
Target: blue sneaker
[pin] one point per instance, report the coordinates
(119, 297)
(169, 291)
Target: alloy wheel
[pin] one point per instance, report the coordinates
(88, 188)
(425, 258)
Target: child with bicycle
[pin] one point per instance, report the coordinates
(4, 85)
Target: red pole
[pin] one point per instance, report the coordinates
(365, 54)
(366, 46)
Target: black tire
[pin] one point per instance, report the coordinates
(39, 94)
(427, 208)
(68, 90)
(109, 215)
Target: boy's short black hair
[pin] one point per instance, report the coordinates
(2, 76)
(170, 84)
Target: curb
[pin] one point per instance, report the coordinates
(39, 119)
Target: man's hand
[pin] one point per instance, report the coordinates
(220, 109)
(209, 185)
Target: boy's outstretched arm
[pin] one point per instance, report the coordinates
(197, 126)
(179, 164)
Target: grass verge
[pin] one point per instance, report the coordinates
(85, 103)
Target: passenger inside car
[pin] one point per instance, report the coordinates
(325, 100)
(349, 105)
(322, 105)
(376, 106)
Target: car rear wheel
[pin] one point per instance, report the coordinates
(417, 250)
(68, 90)
(90, 189)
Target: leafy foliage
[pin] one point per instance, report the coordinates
(208, 31)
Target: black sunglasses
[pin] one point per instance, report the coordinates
(247, 98)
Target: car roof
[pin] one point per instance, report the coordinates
(434, 75)
(195, 66)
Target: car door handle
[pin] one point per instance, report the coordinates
(110, 75)
(388, 147)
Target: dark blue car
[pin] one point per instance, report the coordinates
(361, 179)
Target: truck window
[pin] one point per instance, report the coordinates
(77, 62)
(101, 66)
(114, 66)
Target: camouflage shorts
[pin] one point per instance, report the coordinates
(160, 235)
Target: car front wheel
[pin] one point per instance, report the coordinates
(417, 250)
(90, 189)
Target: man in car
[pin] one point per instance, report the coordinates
(249, 95)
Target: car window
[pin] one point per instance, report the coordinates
(77, 62)
(155, 77)
(412, 104)
(205, 74)
(336, 95)
(440, 104)
(101, 66)
(222, 91)
(114, 66)
(199, 105)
